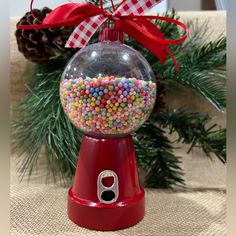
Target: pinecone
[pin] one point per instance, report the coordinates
(40, 45)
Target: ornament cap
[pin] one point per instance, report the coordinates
(111, 34)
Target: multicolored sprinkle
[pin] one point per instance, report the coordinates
(107, 105)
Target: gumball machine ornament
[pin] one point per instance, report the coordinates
(108, 91)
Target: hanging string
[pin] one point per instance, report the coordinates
(32, 13)
(113, 6)
(72, 2)
(119, 5)
(101, 4)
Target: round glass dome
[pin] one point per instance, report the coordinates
(108, 89)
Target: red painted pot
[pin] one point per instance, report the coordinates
(106, 194)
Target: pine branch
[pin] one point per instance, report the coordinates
(192, 128)
(155, 155)
(41, 121)
(217, 144)
(198, 70)
(207, 83)
(205, 56)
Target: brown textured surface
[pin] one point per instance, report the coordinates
(19, 67)
(41, 210)
(198, 210)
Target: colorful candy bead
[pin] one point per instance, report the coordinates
(107, 105)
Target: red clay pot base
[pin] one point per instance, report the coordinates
(106, 194)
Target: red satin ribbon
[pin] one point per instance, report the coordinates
(138, 27)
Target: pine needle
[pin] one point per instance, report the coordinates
(192, 128)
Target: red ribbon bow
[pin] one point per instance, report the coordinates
(127, 17)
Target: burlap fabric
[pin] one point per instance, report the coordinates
(41, 210)
(199, 209)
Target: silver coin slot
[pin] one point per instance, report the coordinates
(107, 194)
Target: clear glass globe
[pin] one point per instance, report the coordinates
(108, 89)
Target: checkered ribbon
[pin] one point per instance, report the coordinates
(134, 7)
(85, 30)
(127, 17)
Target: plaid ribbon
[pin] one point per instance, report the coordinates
(85, 30)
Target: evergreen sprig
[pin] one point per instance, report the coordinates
(155, 155)
(198, 70)
(42, 122)
(197, 131)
